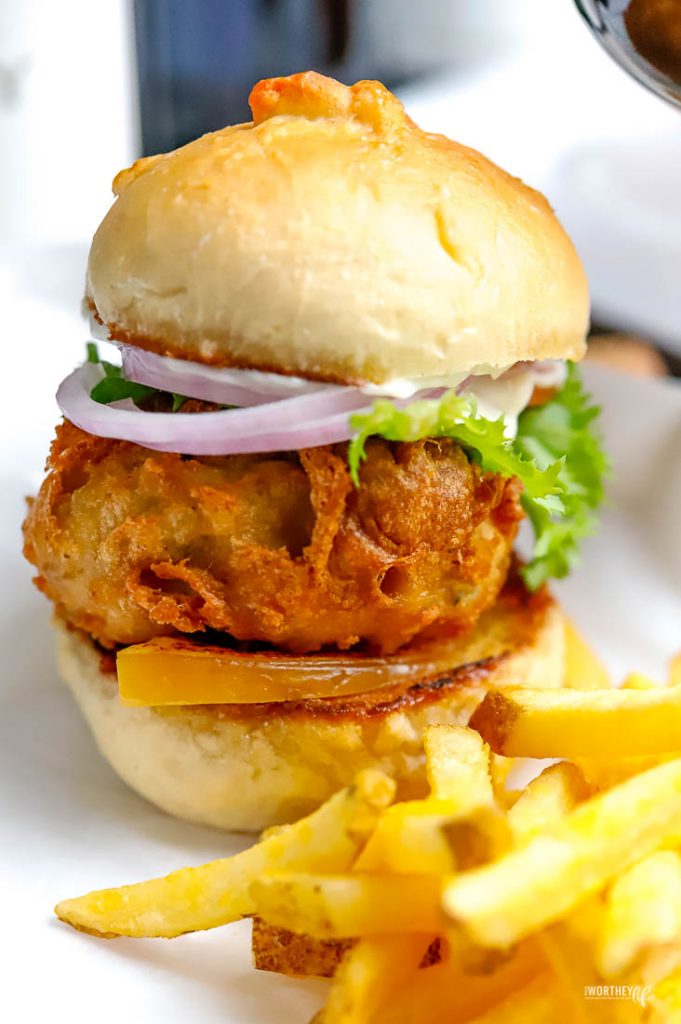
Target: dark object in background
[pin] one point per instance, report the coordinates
(654, 28)
(197, 61)
(644, 37)
(627, 353)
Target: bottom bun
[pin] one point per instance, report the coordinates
(248, 766)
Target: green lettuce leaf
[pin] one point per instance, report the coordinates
(563, 432)
(556, 455)
(114, 386)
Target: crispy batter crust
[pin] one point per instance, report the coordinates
(519, 624)
(283, 549)
(519, 621)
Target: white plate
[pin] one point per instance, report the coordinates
(68, 825)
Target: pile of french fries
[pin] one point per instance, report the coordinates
(557, 902)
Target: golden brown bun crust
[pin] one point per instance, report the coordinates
(333, 239)
(246, 767)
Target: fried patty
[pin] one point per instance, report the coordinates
(279, 548)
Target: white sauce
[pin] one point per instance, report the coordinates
(507, 396)
(405, 387)
(499, 391)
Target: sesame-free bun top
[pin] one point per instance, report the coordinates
(332, 238)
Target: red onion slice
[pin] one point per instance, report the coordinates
(273, 414)
(303, 422)
(292, 410)
(550, 372)
(215, 384)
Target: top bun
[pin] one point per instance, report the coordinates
(333, 239)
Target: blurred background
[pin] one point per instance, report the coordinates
(87, 87)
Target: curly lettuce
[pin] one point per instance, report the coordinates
(556, 454)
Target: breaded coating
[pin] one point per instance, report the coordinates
(132, 544)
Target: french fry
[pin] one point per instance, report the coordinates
(409, 839)
(458, 769)
(213, 894)
(630, 996)
(500, 768)
(547, 798)
(660, 963)
(528, 888)
(457, 766)
(445, 992)
(639, 681)
(657, 986)
(433, 837)
(568, 723)
(642, 909)
(450, 908)
(606, 774)
(347, 906)
(665, 1000)
(458, 825)
(585, 920)
(536, 1003)
(574, 972)
(285, 952)
(450, 991)
(584, 670)
(675, 670)
(480, 836)
(369, 973)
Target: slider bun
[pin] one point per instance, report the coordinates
(332, 238)
(246, 767)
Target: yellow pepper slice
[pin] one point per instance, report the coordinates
(178, 671)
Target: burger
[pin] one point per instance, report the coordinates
(278, 525)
